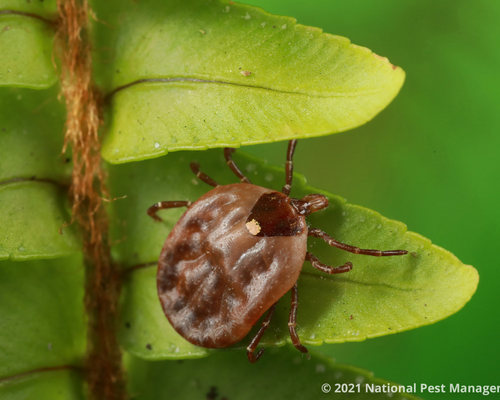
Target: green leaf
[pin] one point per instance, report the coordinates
(26, 44)
(33, 174)
(31, 135)
(280, 374)
(46, 9)
(44, 385)
(32, 216)
(42, 324)
(192, 54)
(378, 297)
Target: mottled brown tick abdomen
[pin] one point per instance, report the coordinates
(216, 278)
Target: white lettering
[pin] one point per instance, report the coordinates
(454, 389)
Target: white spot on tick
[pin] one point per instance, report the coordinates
(253, 227)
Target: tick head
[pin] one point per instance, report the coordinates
(310, 203)
(274, 215)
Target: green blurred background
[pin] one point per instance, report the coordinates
(430, 160)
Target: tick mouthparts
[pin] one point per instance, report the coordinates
(310, 203)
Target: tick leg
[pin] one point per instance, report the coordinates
(292, 321)
(255, 341)
(165, 204)
(326, 268)
(351, 249)
(227, 153)
(195, 167)
(289, 167)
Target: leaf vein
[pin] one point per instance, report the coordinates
(347, 280)
(196, 80)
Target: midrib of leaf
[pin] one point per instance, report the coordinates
(6, 379)
(197, 80)
(27, 15)
(31, 179)
(355, 282)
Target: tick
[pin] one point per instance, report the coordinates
(234, 253)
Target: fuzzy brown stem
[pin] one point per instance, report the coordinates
(103, 366)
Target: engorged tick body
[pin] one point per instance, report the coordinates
(233, 254)
(219, 278)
